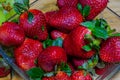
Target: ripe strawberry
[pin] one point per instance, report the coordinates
(96, 6)
(50, 57)
(110, 50)
(11, 34)
(78, 62)
(48, 78)
(56, 34)
(80, 75)
(62, 76)
(48, 15)
(27, 53)
(4, 71)
(36, 27)
(68, 3)
(74, 42)
(66, 19)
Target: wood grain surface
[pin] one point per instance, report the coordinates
(113, 20)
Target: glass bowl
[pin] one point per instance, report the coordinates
(108, 14)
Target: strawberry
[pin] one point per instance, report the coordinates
(96, 6)
(81, 75)
(56, 34)
(110, 50)
(34, 24)
(74, 42)
(4, 72)
(27, 53)
(62, 76)
(48, 78)
(11, 34)
(48, 15)
(68, 3)
(78, 62)
(50, 57)
(66, 19)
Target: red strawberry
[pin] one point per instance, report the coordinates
(66, 19)
(50, 57)
(27, 53)
(74, 42)
(62, 76)
(78, 62)
(48, 78)
(48, 15)
(56, 34)
(80, 75)
(36, 27)
(4, 72)
(96, 6)
(68, 3)
(11, 34)
(110, 50)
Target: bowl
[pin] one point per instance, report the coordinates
(108, 14)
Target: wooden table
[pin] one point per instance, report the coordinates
(113, 20)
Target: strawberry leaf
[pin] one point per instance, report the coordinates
(91, 63)
(47, 43)
(57, 42)
(86, 11)
(115, 35)
(93, 43)
(23, 2)
(30, 17)
(35, 73)
(21, 6)
(90, 25)
(100, 33)
(43, 28)
(87, 48)
(66, 68)
(79, 6)
(26, 2)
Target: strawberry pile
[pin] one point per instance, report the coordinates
(66, 44)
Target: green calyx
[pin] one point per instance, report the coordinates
(93, 43)
(43, 28)
(35, 73)
(30, 17)
(65, 67)
(100, 31)
(90, 64)
(98, 28)
(85, 11)
(21, 6)
(50, 42)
